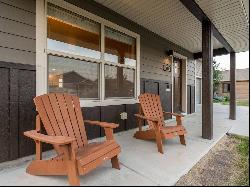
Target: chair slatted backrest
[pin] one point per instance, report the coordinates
(151, 107)
(61, 116)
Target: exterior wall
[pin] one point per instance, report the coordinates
(190, 86)
(191, 73)
(17, 73)
(18, 31)
(151, 66)
(198, 86)
(17, 111)
(242, 90)
(198, 68)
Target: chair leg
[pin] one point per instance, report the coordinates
(73, 175)
(159, 146)
(115, 163)
(182, 139)
(159, 141)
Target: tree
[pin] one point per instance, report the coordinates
(217, 76)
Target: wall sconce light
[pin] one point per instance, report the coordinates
(167, 64)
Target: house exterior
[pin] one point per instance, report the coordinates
(242, 84)
(105, 56)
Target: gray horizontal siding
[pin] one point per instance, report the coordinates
(17, 56)
(191, 72)
(198, 68)
(17, 31)
(28, 5)
(17, 28)
(17, 14)
(17, 42)
(151, 63)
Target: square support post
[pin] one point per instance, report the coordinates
(207, 80)
(232, 112)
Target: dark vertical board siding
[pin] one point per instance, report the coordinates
(188, 99)
(162, 88)
(14, 129)
(112, 114)
(165, 93)
(131, 110)
(27, 91)
(152, 86)
(92, 113)
(192, 99)
(4, 115)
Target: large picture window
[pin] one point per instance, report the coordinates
(90, 57)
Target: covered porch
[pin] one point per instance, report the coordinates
(161, 32)
(199, 29)
(141, 164)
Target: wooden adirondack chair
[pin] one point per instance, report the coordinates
(151, 110)
(62, 119)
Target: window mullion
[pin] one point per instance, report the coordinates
(102, 84)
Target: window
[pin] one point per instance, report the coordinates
(119, 82)
(71, 33)
(120, 52)
(90, 57)
(119, 48)
(75, 77)
(226, 87)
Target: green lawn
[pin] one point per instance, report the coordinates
(239, 103)
(243, 150)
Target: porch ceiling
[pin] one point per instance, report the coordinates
(171, 20)
(231, 18)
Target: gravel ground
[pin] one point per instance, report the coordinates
(217, 168)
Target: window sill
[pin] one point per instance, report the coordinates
(108, 102)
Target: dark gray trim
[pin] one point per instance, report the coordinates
(146, 35)
(216, 52)
(232, 114)
(207, 81)
(195, 9)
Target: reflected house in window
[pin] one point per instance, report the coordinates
(120, 83)
(73, 83)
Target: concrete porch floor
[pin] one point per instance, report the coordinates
(141, 164)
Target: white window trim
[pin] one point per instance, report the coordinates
(41, 53)
(184, 81)
(197, 77)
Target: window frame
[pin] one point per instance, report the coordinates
(42, 52)
(228, 87)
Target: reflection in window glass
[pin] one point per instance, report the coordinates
(119, 82)
(226, 87)
(119, 47)
(73, 76)
(71, 33)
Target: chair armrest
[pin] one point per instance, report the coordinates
(102, 124)
(55, 140)
(174, 114)
(147, 118)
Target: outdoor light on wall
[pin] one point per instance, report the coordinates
(167, 63)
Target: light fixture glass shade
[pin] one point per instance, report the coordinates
(167, 60)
